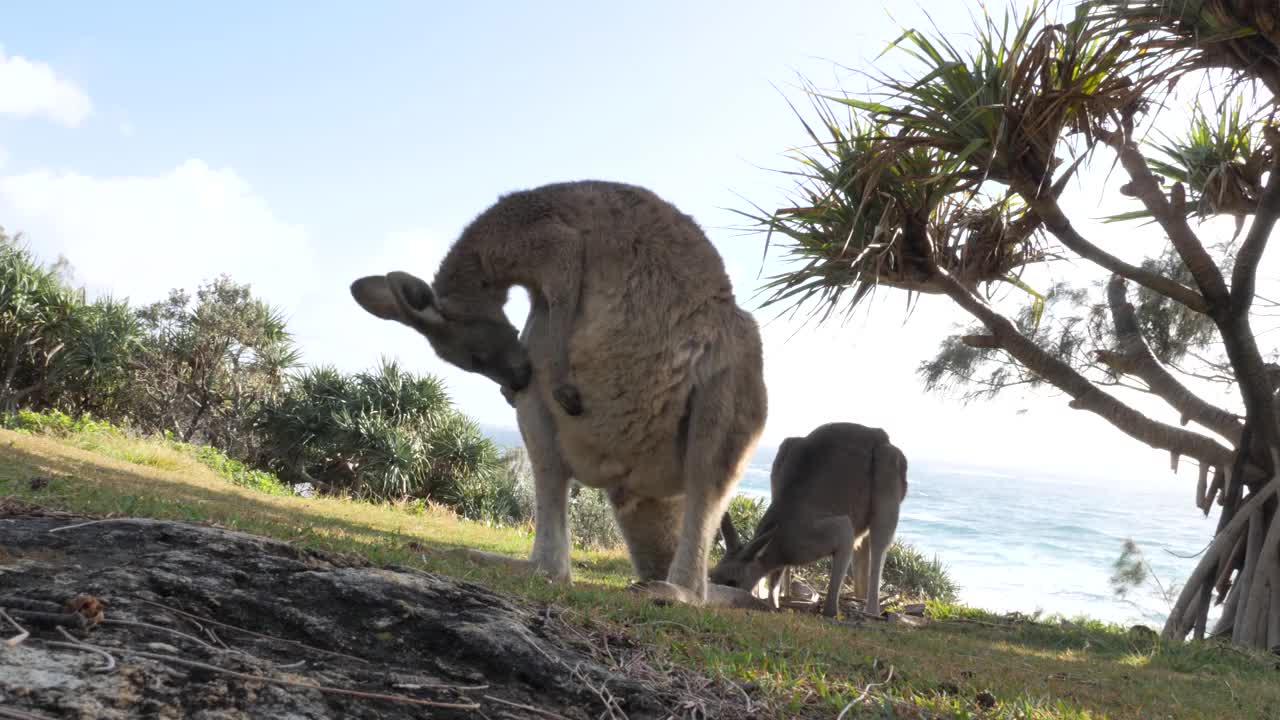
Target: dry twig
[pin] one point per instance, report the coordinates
(611, 705)
(530, 708)
(186, 636)
(440, 686)
(73, 642)
(16, 640)
(865, 692)
(272, 638)
(85, 524)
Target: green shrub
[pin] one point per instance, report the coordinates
(234, 470)
(745, 511)
(38, 312)
(591, 521)
(384, 434)
(208, 363)
(60, 424)
(910, 574)
(495, 496)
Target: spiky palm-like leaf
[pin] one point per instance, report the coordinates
(1221, 162)
(868, 212)
(1242, 36)
(1005, 108)
(904, 183)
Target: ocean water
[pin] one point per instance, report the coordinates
(1018, 540)
(1022, 541)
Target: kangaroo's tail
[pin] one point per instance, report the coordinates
(889, 468)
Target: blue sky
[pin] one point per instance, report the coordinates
(297, 146)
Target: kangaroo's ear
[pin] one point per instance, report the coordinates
(758, 544)
(779, 458)
(398, 296)
(730, 533)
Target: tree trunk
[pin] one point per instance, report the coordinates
(1252, 610)
(8, 399)
(1177, 626)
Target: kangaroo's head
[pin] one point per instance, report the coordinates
(476, 339)
(743, 565)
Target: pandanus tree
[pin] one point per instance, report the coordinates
(949, 177)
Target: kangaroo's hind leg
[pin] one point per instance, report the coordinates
(887, 495)
(839, 532)
(551, 475)
(726, 413)
(651, 529)
(884, 523)
(861, 565)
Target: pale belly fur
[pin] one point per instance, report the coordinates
(635, 391)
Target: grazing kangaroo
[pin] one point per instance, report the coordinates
(629, 297)
(840, 483)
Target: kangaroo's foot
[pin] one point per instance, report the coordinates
(568, 398)
(480, 557)
(723, 596)
(664, 593)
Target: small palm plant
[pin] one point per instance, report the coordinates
(1220, 162)
(1241, 36)
(386, 434)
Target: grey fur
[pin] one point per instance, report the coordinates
(631, 301)
(840, 484)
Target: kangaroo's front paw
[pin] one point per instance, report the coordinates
(568, 398)
(509, 394)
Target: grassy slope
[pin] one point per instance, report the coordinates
(802, 663)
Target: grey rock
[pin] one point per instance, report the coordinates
(357, 626)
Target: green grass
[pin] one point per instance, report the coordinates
(804, 665)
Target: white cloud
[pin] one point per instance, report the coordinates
(29, 87)
(141, 236)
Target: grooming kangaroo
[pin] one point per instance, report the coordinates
(630, 298)
(839, 483)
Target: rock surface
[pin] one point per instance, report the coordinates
(214, 600)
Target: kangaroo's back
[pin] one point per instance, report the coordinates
(841, 468)
(644, 259)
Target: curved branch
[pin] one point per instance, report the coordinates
(1085, 395)
(1227, 308)
(1244, 275)
(1144, 185)
(1134, 357)
(1057, 223)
